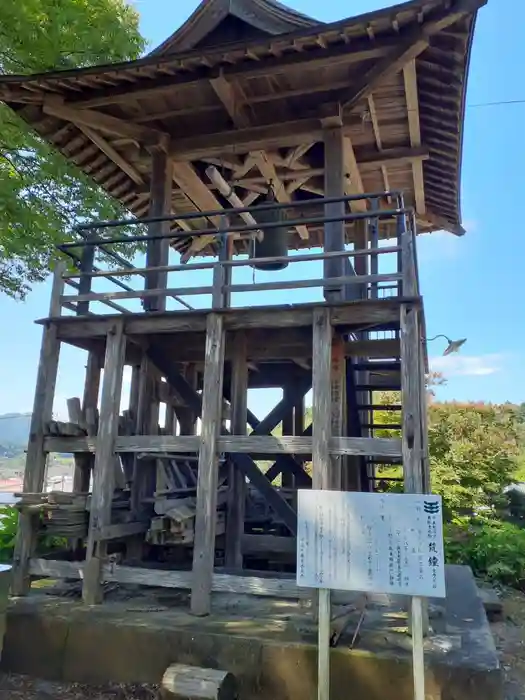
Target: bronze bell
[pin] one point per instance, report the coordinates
(275, 240)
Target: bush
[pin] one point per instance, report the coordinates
(494, 549)
(8, 527)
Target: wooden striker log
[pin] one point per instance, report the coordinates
(182, 682)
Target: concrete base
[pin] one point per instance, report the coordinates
(268, 644)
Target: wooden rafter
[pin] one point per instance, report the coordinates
(410, 78)
(377, 136)
(227, 95)
(113, 154)
(147, 87)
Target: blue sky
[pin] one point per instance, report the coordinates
(471, 285)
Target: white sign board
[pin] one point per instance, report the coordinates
(381, 543)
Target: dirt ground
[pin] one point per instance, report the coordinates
(509, 637)
(23, 688)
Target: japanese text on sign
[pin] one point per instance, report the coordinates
(382, 543)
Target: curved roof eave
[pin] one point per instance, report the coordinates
(462, 122)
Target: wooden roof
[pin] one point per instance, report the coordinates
(247, 85)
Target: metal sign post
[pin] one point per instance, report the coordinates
(374, 543)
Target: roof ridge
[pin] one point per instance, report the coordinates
(267, 15)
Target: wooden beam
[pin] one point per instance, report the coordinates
(241, 445)
(36, 457)
(379, 143)
(227, 94)
(106, 123)
(206, 514)
(292, 133)
(236, 480)
(410, 78)
(103, 473)
(190, 182)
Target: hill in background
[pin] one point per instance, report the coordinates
(14, 433)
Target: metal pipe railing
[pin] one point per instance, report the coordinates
(246, 228)
(404, 279)
(115, 223)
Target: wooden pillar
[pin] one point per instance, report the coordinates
(338, 381)
(334, 232)
(362, 471)
(157, 252)
(185, 414)
(206, 516)
(237, 480)
(321, 415)
(412, 419)
(35, 467)
(287, 478)
(83, 467)
(144, 470)
(87, 260)
(104, 471)
(411, 393)
(321, 398)
(298, 417)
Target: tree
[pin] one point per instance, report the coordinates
(41, 195)
(473, 453)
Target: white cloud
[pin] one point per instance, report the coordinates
(468, 365)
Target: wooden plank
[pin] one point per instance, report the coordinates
(235, 288)
(348, 313)
(36, 458)
(237, 481)
(113, 532)
(221, 583)
(264, 444)
(414, 128)
(157, 250)
(268, 544)
(104, 473)
(305, 257)
(205, 520)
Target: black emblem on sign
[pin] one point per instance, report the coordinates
(431, 507)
